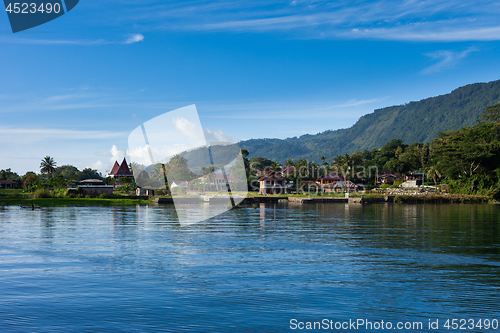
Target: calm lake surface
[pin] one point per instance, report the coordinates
(135, 269)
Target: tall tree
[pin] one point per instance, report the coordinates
(433, 173)
(48, 165)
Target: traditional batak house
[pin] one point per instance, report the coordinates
(120, 171)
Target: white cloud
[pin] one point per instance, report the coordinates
(116, 154)
(188, 128)
(99, 166)
(288, 110)
(141, 155)
(447, 31)
(28, 135)
(217, 136)
(134, 38)
(447, 59)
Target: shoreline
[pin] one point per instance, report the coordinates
(72, 201)
(249, 200)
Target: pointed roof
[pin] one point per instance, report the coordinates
(124, 170)
(115, 168)
(121, 170)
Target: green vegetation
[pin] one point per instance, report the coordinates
(467, 160)
(491, 114)
(51, 187)
(72, 202)
(48, 165)
(413, 122)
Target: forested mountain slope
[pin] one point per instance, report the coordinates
(413, 122)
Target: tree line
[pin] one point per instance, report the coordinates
(50, 176)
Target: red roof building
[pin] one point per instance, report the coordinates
(119, 171)
(272, 183)
(8, 184)
(331, 178)
(289, 171)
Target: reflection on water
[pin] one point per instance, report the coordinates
(127, 269)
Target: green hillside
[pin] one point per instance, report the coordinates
(413, 122)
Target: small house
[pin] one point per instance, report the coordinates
(329, 179)
(6, 184)
(340, 186)
(179, 183)
(92, 187)
(217, 181)
(387, 178)
(272, 183)
(144, 191)
(413, 179)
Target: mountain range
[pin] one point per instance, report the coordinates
(412, 122)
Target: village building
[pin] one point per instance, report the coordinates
(272, 183)
(387, 178)
(329, 179)
(340, 186)
(144, 191)
(179, 183)
(120, 171)
(289, 171)
(90, 187)
(413, 179)
(217, 182)
(6, 184)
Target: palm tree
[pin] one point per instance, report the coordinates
(289, 162)
(433, 172)
(48, 165)
(275, 166)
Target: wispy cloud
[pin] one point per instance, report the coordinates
(133, 38)
(453, 31)
(293, 110)
(436, 20)
(446, 59)
(27, 135)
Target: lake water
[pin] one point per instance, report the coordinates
(135, 269)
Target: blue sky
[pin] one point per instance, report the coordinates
(74, 88)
